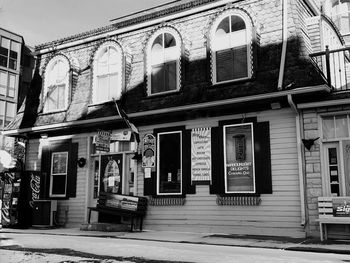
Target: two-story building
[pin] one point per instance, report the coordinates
(221, 93)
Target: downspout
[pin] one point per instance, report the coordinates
(284, 42)
(299, 125)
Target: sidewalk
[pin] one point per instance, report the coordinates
(284, 243)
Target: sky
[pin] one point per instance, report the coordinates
(41, 21)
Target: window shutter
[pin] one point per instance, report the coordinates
(187, 187)
(45, 172)
(217, 163)
(262, 158)
(149, 185)
(240, 69)
(72, 171)
(224, 65)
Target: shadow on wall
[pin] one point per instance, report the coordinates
(196, 86)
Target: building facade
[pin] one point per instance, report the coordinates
(221, 94)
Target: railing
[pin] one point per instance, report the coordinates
(334, 65)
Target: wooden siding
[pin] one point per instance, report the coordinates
(278, 214)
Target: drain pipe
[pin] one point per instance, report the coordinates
(284, 42)
(299, 125)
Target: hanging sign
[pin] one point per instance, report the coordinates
(201, 154)
(121, 136)
(148, 150)
(102, 141)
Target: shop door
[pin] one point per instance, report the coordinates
(129, 178)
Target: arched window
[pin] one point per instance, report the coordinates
(163, 70)
(108, 77)
(339, 12)
(56, 84)
(231, 37)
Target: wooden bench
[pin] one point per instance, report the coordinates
(327, 215)
(133, 207)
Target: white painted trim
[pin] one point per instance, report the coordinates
(138, 26)
(323, 103)
(172, 109)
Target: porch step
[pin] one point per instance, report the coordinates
(105, 227)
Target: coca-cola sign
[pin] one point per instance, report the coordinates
(34, 187)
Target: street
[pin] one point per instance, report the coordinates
(40, 248)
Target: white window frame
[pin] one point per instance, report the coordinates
(59, 174)
(158, 163)
(116, 94)
(214, 45)
(253, 158)
(149, 63)
(48, 82)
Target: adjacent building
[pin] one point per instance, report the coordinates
(217, 97)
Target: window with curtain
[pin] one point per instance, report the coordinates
(164, 62)
(107, 73)
(231, 37)
(56, 85)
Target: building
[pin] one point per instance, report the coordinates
(222, 94)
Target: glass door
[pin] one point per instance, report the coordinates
(333, 168)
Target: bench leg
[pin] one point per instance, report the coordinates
(141, 222)
(132, 224)
(89, 216)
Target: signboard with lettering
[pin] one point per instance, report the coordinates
(148, 150)
(102, 141)
(341, 207)
(121, 136)
(201, 154)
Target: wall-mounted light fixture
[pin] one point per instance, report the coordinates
(309, 142)
(81, 162)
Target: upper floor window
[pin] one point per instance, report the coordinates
(231, 38)
(9, 53)
(339, 12)
(108, 77)
(163, 65)
(56, 84)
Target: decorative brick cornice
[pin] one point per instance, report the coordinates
(140, 19)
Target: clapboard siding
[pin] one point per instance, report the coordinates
(278, 213)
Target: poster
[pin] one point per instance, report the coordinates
(111, 173)
(148, 150)
(201, 154)
(239, 158)
(102, 141)
(341, 207)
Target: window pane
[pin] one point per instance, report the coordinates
(59, 163)
(170, 76)
(169, 171)
(224, 65)
(11, 87)
(58, 184)
(15, 47)
(101, 92)
(157, 84)
(5, 43)
(10, 110)
(3, 61)
(3, 83)
(4, 52)
(224, 27)
(239, 160)
(328, 128)
(240, 66)
(13, 64)
(113, 86)
(237, 23)
(158, 43)
(13, 54)
(169, 40)
(341, 126)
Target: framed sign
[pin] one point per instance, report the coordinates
(201, 154)
(341, 207)
(239, 158)
(102, 141)
(148, 150)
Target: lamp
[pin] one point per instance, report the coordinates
(81, 162)
(309, 142)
